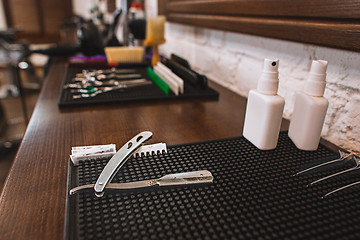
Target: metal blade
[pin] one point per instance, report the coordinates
(118, 160)
(117, 76)
(120, 186)
(195, 177)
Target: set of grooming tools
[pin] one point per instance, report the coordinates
(90, 83)
(133, 147)
(344, 157)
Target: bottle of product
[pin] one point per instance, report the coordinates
(137, 10)
(264, 109)
(310, 109)
(136, 20)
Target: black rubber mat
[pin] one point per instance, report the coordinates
(254, 196)
(140, 93)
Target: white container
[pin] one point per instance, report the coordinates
(264, 109)
(310, 109)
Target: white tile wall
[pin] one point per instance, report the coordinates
(235, 61)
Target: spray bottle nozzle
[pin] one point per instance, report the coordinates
(315, 84)
(318, 67)
(271, 65)
(268, 82)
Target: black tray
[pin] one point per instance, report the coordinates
(142, 93)
(254, 196)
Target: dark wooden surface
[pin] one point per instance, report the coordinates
(329, 23)
(32, 204)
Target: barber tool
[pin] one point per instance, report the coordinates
(109, 83)
(86, 88)
(155, 27)
(89, 93)
(183, 62)
(77, 88)
(117, 76)
(134, 147)
(91, 90)
(118, 160)
(114, 70)
(124, 54)
(158, 81)
(341, 188)
(185, 72)
(113, 73)
(94, 77)
(82, 153)
(357, 166)
(343, 157)
(202, 80)
(170, 76)
(86, 72)
(186, 178)
(173, 85)
(151, 149)
(91, 152)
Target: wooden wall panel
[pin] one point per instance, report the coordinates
(26, 22)
(54, 14)
(38, 20)
(275, 8)
(329, 23)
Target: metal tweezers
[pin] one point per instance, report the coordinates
(341, 188)
(356, 167)
(343, 157)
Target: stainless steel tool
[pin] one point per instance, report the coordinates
(343, 156)
(92, 93)
(86, 72)
(85, 84)
(134, 147)
(95, 75)
(341, 188)
(114, 70)
(118, 160)
(106, 88)
(357, 166)
(186, 178)
(117, 76)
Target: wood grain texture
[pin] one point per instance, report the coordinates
(32, 204)
(337, 34)
(328, 23)
(279, 8)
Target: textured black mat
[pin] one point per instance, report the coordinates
(254, 196)
(141, 93)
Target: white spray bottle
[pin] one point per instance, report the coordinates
(264, 109)
(310, 109)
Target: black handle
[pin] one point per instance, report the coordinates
(186, 74)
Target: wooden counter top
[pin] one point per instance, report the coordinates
(32, 204)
